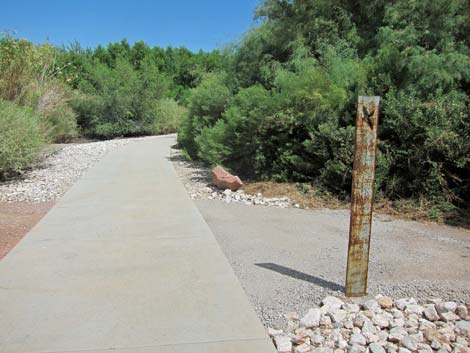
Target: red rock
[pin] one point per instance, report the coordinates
(224, 180)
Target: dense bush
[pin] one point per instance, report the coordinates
(29, 78)
(294, 81)
(167, 116)
(20, 136)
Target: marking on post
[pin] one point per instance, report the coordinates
(362, 195)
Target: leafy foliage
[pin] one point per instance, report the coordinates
(294, 80)
(20, 136)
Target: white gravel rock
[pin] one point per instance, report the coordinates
(376, 348)
(430, 312)
(283, 344)
(378, 328)
(371, 305)
(409, 342)
(357, 338)
(311, 319)
(331, 302)
(402, 303)
(303, 348)
(355, 348)
(57, 172)
(414, 309)
(446, 307)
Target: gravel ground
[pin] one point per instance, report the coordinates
(290, 259)
(198, 182)
(57, 172)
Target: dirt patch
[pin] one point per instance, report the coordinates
(303, 195)
(16, 219)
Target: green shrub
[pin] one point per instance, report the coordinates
(206, 104)
(428, 145)
(167, 115)
(28, 78)
(20, 136)
(51, 101)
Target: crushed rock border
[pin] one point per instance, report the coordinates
(380, 325)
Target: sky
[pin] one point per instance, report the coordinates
(196, 24)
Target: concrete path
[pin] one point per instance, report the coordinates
(126, 263)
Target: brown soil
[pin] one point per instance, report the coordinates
(308, 196)
(16, 219)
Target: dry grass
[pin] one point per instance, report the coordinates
(310, 197)
(305, 195)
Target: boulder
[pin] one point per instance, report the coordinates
(224, 180)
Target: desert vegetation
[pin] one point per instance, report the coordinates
(277, 106)
(52, 95)
(283, 108)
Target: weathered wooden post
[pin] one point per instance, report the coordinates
(362, 197)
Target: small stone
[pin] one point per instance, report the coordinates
(409, 343)
(283, 344)
(351, 307)
(325, 321)
(368, 327)
(300, 339)
(385, 302)
(397, 314)
(332, 302)
(396, 334)
(418, 337)
(462, 312)
(323, 350)
(464, 326)
(359, 320)
(390, 347)
(371, 305)
(446, 307)
(273, 332)
(435, 344)
(446, 347)
(381, 320)
(355, 348)
(383, 335)
(371, 337)
(376, 348)
(317, 339)
(403, 350)
(337, 315)
(397, 323)
(458, 348)
(311, 319)
(446, 334)
(414, 309)
(449, 316)
(426, 325)
(430, 312)
(462, 341)
(357, 339)
(404, 302)
(303, 348)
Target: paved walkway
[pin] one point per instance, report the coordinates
(126, 263)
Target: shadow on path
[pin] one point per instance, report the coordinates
(301, 275)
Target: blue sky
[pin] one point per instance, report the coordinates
(197, 24)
